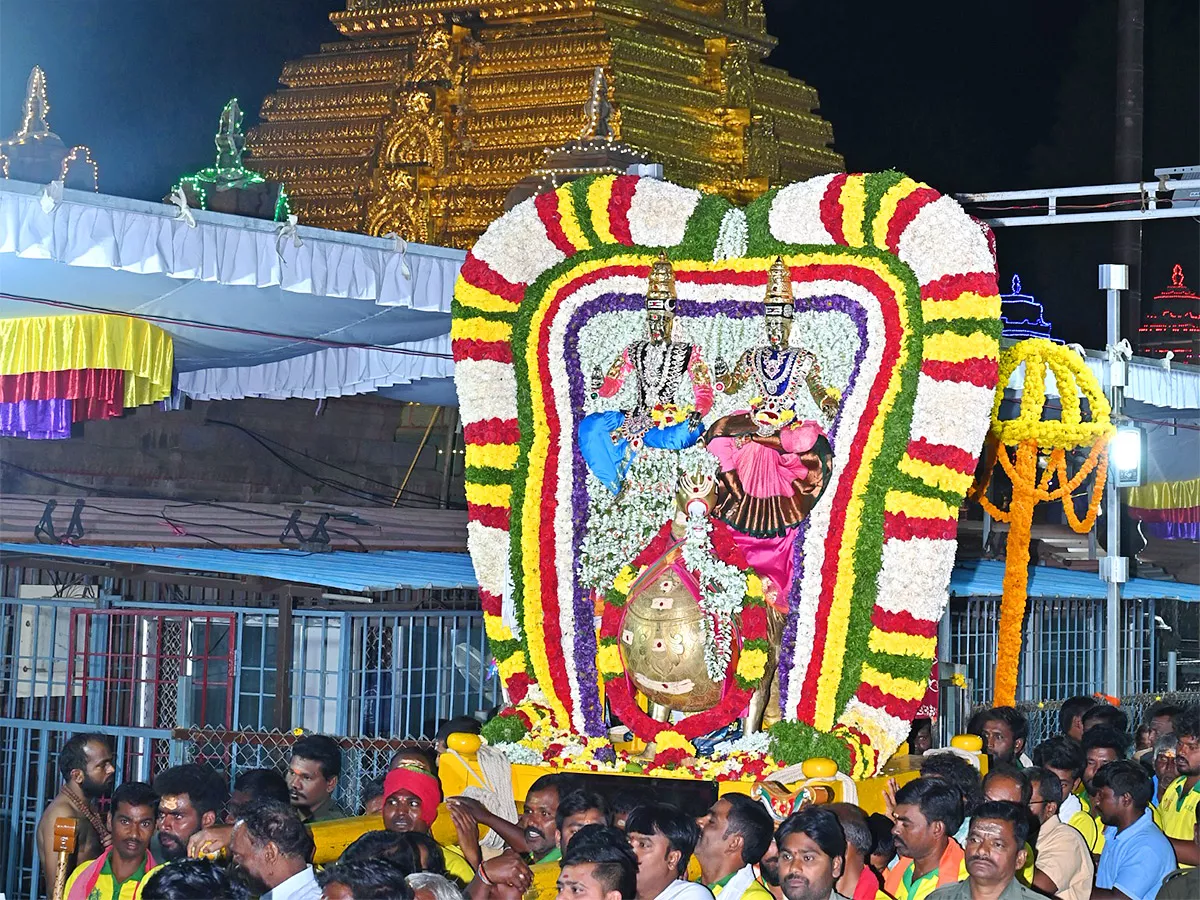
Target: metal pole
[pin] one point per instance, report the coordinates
(1127, 242)
(1172, 673)
(1114, 568)
(450, 443)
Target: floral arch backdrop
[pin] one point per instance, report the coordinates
(896, 294)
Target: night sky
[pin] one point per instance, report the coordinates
(964, 96)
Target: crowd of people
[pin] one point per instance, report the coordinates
(1093, 812)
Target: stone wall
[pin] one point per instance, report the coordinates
(185, 454)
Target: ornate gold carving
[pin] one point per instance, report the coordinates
(423, 120)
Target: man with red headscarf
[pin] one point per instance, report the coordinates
(410, 804)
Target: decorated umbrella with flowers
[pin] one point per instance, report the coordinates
(1032, 451)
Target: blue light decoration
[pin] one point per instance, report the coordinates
(1022, 315)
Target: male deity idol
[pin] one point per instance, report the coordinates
(774, 466)
(610, 440)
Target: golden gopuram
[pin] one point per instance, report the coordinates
(421, 120)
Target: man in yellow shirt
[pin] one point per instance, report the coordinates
(928, 811)
(116, 873)
(734, 835)
(1177, 808)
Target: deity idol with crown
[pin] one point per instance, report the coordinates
(610, 440)
(774, 465)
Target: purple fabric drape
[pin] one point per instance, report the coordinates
(38, 420)
(1172, 531)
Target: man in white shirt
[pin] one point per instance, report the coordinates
(273, 849)
(663, 840)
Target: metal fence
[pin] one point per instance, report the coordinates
(181, 682)
(1064, 644)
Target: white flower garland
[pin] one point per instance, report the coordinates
(519, 754)
(722, 590)
(758, 744)
(732, 237)
(516, 245)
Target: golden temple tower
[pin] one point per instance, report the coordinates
(424, 117)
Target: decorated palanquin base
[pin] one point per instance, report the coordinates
(895, 296)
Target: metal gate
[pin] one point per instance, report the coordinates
(141, 668)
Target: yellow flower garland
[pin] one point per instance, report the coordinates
(1030, 435)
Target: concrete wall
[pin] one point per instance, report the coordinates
(186, 455)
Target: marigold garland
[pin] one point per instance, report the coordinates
(1031, 436)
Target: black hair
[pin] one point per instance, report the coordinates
(1187, 723)
(263, 784)
(392, 846)
(1016, 721)
(459, 725)
(1012, 773)
(203, 786)
(368, 879)
(1048, 785)
(428, 755)
(749, 819)
(855, 826)
(134, 793)
(625, 801)
(576, 802)
(1105, 736)
(277, 823)
(1162, 708)
(1015, 815)
(192, 879)
(372, 788)
(322, 750)
(917, 725)
(608, 850)
(953, 769)
(820, 824)
(73, 755)
(559, 782)
(1061, 753)
(1076, 706)
(937, 800)
(883, 841)
(1104, 714)
(681, 832)
(1124, 776)
(435, 858)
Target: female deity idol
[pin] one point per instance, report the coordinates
(774, 467)
(610, 440)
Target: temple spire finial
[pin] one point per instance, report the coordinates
(598, 109)
(37, 107)
(230, 140)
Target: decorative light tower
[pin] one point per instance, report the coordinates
(1022, 316)
(1173, 323)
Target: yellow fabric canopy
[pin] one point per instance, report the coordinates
(1166, 495)
(143, 351)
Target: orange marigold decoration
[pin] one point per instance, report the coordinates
(1030, 438)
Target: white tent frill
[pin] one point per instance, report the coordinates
(86, 229)
(333, 372)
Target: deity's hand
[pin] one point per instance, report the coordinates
(694, 419)
(829, 406)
